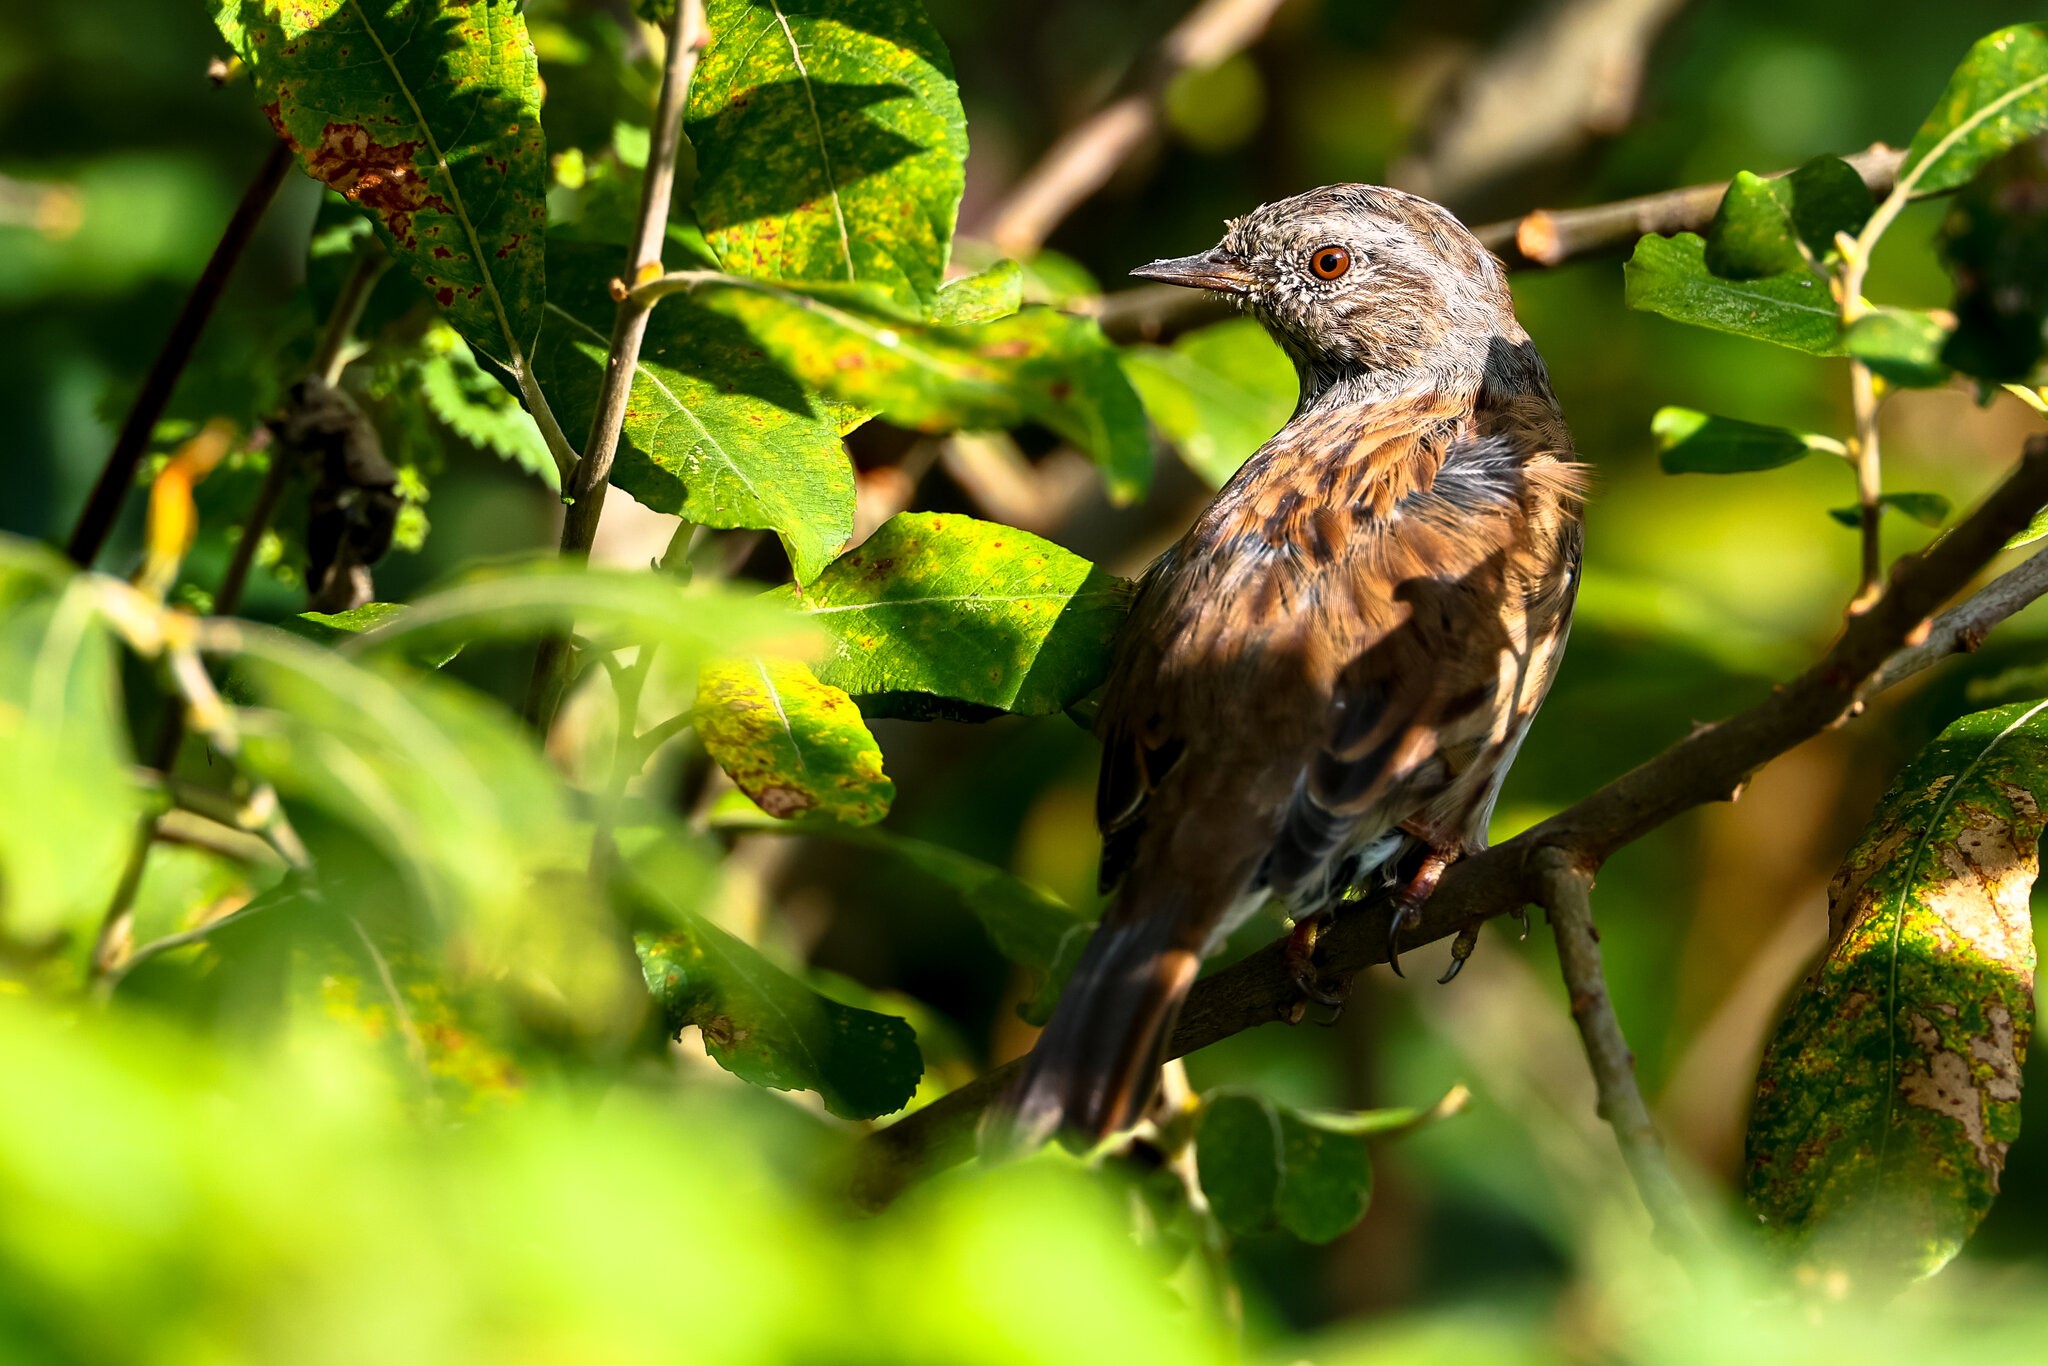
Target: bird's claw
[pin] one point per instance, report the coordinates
(1301, 950)
(1461, 949)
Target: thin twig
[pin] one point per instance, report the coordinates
(330, 357)
(1863, 452)
(1540, 239)
(117, 476)
(1564, 888)
(1710, 764)
(1087, 155)
(584, 486)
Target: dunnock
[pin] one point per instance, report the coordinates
(1339, 660)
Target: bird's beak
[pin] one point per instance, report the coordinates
(1214, 269)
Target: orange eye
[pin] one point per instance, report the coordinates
(1329, 262)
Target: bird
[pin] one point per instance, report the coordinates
(1326, 679)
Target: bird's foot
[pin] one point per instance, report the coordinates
(1301, 966)
(1409, 900)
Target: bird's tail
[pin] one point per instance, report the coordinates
(1096, 1064)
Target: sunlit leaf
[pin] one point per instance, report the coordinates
(526, 598)
(1693, 442)
(765, 1026)
(1997, 96)
(448, 788)
(1928, 509)
(1217, 393)
(714, 430)
(336, 628)
(1037, 365)
(994, 293)
(425, 114)
(480, 410)
(1763, 221)
(792, 744)
(830, 143)
(1995, 240)
(68, 807)
(1890, 1091)
(1902, 344)
(940, 614)
(1669, 275)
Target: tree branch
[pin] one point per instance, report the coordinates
(117, 476)
(1564, 888)
(1890, 641)
(584, 487)
(1540, 239)
(1087, 155)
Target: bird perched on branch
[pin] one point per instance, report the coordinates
(1329, 675)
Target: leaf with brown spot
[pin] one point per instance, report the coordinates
(793, 744)
(426, 115)
(1890, 1091)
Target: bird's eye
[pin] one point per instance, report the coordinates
(1329, 262)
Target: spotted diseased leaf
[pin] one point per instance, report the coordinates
(766, 1027)
(1996, 98)
(1904, 345)
(1037, 365)
(830, 143)
(715, 431)
(1217, 393)
(937, 614)
(1763, 221)
(1669, 275)
(1891, 1090)
(1693, 442)
(794, 745)
(1995, 240)
(426, 115)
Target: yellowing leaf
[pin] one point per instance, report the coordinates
(794, 745)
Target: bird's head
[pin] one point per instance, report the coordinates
(1357, 280)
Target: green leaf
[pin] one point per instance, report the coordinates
(425, 114)
(2034, 531)
(68, 806)
(451, 791)
(766, 1027)
(1996, 98)
(1217, 393)
(1265, 1166)
(1994, 241)
(1904, 345)
(1693, 442)
(480, 410)
(525, 598)
(1669, 275)
(1028, 925)
(1037, 365)
(1763, 221)
(940, 614)
(1928, 509)
(994, 293)
(830, 143)
(794, 745)
(1890, 1091)
(714, 430)
(336, 628)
